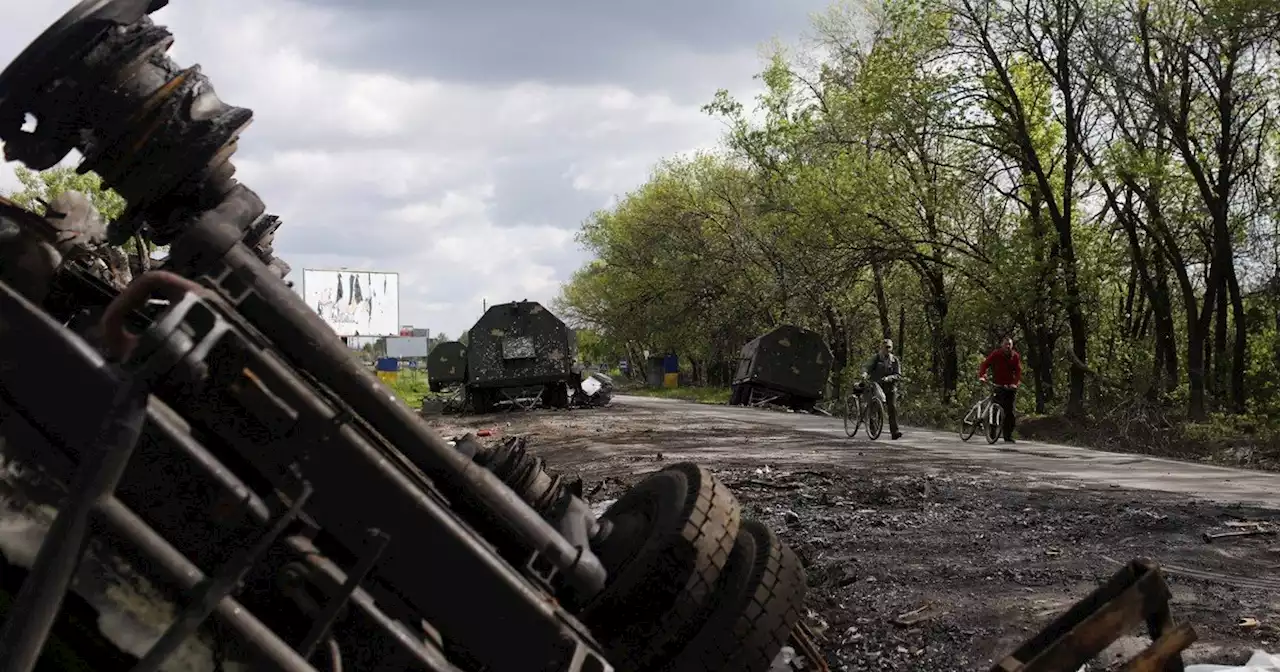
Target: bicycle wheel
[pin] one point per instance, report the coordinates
(852, 415)
(875, 418)
(995, 423)
(969, 423)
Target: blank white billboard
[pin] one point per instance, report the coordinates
(354, 303)
(404, 347)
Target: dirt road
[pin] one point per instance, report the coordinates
(981, 544)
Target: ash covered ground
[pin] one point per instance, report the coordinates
(916, 563)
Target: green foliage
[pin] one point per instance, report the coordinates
(40, 188)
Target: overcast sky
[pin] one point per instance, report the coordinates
(460, 144)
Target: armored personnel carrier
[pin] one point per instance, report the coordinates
(519, 353)
(787, 366)
(199, 475)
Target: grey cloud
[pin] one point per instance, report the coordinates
(685, 48)
(344, 214)
(535, 190)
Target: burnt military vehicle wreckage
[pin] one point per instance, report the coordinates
(787, 366)
(446, 377)
(520, 354)
(290, 510)
(447, 366)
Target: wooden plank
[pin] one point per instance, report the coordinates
(1165, 654)
(1137, 593)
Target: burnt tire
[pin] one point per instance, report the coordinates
(663, 569)
(755, 608)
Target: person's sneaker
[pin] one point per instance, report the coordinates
(897, 435)
(1009, 440)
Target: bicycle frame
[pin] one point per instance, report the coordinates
(873, 390)
(983, 412)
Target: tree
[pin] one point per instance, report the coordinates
(1099, 174)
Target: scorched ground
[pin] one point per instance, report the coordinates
(917, 563)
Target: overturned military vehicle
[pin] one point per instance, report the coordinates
(788, 366)
(447, 366)
(520, 354)
(214, 482)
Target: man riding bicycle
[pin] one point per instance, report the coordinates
(886, 369)
(1006, 369)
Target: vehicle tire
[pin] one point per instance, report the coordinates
(755, 608)
(852, 415)
(995, 425)
(875, 419)
(674, 533)
(969, 424)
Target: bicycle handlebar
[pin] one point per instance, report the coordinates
(1002, 387)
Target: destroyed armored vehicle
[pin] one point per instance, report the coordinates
(446, 379)
(788, 367)
(447, 366)
(519, 354)
(215, 483)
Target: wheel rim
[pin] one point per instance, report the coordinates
(875, 419)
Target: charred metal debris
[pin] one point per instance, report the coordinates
(234, 485)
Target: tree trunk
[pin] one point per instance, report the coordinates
(902, 331)
(838, 337)
(1033, 349)
(1240, 348)
(945, 356)
(882, 305)
(1166, 335)
(1221, 361)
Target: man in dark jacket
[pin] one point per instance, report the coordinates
(1005, 365)
(886, 369)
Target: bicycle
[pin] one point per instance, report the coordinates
(865, 404)
(985, 412)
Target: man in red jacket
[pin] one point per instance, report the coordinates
(1006, 369)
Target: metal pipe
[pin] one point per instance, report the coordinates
(127, 526)
(39, 600)
(378, 542)
(216, 588)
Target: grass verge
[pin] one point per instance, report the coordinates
(411, 386)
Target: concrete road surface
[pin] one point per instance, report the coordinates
(1206, 482)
